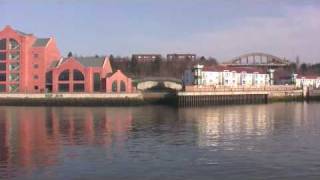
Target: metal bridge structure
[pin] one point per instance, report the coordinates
(258, 60)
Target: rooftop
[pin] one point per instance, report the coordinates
(41, 42)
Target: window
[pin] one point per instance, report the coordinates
(35, 55)
(36, 66)
(2, 77)
(36, 87)
(35, 77)
(63, 87)
(49, 77)
(15, 56)
(96, 82)
(3, 44)
(3, 66)
(64, 76)
(77, 75)
(114, 86)
(2, 56)
(13, 44)
(78, 87)
(2, 88)
(122, 86)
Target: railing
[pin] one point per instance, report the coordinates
(239, 88)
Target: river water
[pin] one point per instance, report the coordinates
(269, 141)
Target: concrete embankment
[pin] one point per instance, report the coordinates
(199, 96)
(75, 99)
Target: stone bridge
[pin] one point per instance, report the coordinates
(163, 83)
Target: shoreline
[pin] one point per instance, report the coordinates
(133, 99)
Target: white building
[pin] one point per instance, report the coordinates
(307, 81)
(226, 76)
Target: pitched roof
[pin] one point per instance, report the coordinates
(308, 76)
(22, 33)
(54, 64)
(91, 61)
(41, 42)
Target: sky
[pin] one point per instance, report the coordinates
(217, 28)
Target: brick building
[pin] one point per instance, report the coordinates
(144, 58)
(34, 65)
(24, 60)
(181, 57)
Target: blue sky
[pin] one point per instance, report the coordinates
(218, 28)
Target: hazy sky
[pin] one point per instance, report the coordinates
(219, 28)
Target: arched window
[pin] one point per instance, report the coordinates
(64, 76)
(122, 86)
(78, 87)
(13, 44)
(114, 86)
(3, 44)
(77, 75)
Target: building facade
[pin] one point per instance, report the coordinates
(24, 60)
(145, 58)
(34, 65)
(306, 81)
(225, 76)
(181, 57)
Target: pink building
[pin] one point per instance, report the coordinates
(34, 65)
(24, 60)
(90, 74)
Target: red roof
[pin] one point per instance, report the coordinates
(308, 76)
(236, 69)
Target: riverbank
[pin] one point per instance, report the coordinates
(180, 99)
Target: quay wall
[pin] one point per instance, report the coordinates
(199, 95)
(72, 99)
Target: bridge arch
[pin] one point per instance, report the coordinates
(258, 59)
(164, 84)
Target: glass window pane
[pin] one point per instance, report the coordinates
(64, 76)
(3, 66)
(114, 86)
(2, 77)
(96, 82)
(15, 56)
(3, 44)
(122, 86)
(78, 76)
(13, 44)
(2, 88)
(63, 87)
(2, 56)
(78, 87)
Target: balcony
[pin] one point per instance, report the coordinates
(14, 56)
(14, 67)
(13, 88)
(14, 77)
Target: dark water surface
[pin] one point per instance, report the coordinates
(274, 141)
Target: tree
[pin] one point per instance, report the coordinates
(111, 58)
(303, 68)
(70, 54)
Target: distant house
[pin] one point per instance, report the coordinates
(181, 57)
(226, 76)
(144, 58)
(307, 81)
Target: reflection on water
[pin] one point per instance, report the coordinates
(231, 123)
(58, 142)
(34, 137)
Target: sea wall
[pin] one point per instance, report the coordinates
(74, 99)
